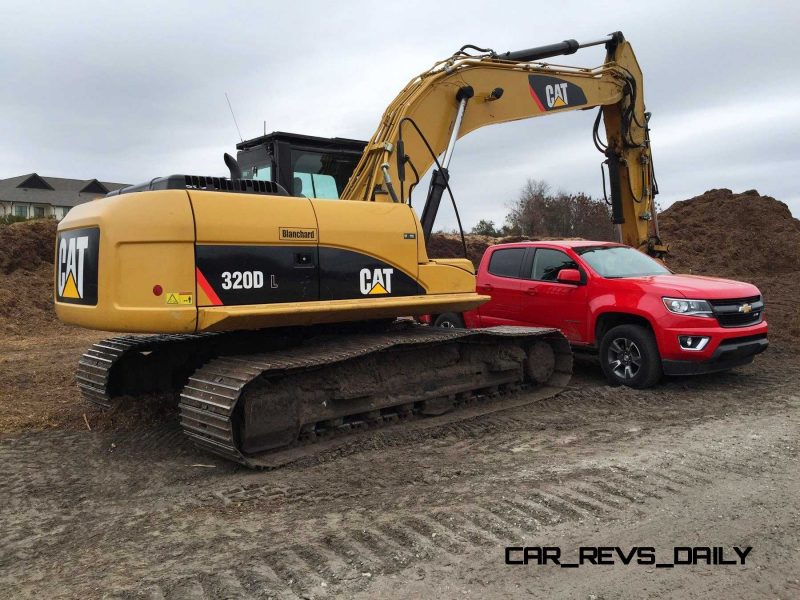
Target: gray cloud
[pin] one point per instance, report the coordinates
(126, 91)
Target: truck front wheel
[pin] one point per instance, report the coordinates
(629, 356)
(449, 320)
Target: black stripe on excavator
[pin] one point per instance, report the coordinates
(553, 93)
(274, 274)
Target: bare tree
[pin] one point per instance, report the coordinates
(538, 212)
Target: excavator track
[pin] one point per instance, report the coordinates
(133, 365)
(263, 410)
(265, 398)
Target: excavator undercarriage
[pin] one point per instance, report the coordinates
(292, 393)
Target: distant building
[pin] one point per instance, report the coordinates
(33, 196)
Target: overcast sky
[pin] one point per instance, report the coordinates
(126, 91)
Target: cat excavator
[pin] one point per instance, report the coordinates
(277, 298)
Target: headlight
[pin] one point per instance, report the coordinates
(683, 306)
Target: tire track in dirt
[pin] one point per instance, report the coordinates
(593, 456)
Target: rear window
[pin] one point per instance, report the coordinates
(507, 262)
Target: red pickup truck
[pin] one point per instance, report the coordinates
(639, 318)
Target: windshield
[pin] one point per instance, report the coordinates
(620, 261)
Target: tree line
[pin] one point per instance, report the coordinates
(539, 212)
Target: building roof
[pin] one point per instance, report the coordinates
(56, 191)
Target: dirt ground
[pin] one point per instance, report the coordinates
(709, 461)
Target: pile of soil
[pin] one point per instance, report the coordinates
(449, 245)
(26, 268)
(744, 236)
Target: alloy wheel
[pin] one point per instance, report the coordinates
(624, 358)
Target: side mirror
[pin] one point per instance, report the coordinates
(569, 276)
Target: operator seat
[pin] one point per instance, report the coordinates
(297, 187)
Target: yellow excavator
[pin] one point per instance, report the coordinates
(277, 294)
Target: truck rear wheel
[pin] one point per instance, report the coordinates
(629, 356)
(449, 320)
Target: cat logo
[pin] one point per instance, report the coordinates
(551, 93)
(76, 266)
(376, 281)
(556, 95)
(70, 266)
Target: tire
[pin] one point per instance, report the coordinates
(629, 356)
(449, 320)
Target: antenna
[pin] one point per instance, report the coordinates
(241, 139)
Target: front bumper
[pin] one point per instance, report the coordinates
(730, 353)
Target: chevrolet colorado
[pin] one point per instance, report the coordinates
(640, 319)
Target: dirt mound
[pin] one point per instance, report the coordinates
(735, 234)
(27, 245)
(448, 245)
(26, 268)
(740, 236)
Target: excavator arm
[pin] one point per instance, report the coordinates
(489, 88)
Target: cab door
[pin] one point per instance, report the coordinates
(548, 303)
(502, 281)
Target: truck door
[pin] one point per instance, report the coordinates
(502, 282)
(548, 303)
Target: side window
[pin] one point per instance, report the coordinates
(507, 262)
(262, 173)
(547, 263)
(319, 175)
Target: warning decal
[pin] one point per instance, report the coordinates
(178, 298)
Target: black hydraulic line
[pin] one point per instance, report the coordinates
(473, 47)
(416, 175)
(598, 143)
(446, 183)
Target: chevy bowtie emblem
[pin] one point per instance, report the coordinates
(745, 308)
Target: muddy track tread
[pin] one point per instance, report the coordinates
(210, 398)
(94, 373)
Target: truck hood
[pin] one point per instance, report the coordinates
(698, 286)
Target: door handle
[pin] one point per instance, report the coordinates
(487, 287)
(531, 291)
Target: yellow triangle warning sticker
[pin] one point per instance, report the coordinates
(559, 102)
(70, 289)
(171, 299)
(378, 289)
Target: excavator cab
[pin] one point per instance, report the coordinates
(304, 165)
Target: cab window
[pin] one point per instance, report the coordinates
(548, 262)
(320, 174)
(506, 262)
